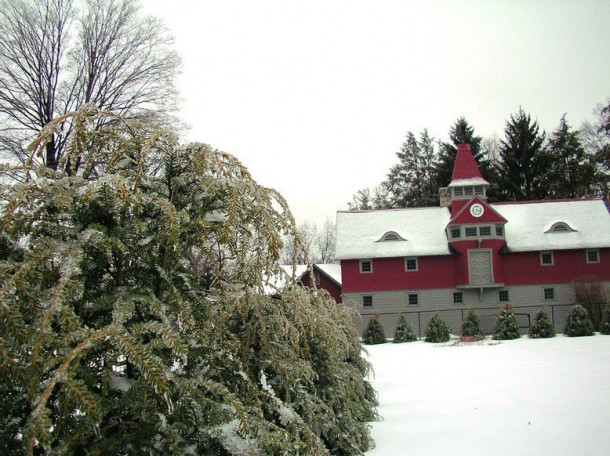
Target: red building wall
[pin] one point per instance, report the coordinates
(390, 274)
(325, 283)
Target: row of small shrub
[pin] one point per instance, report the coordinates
(578, 323)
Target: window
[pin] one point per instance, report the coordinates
(456, 233)
(546, 258)
(503, 296)
(316, 276)
(478, 190)
(458, 191)
(471, 231)
(411, 264)
(390, 237)
(560, 227)
(458, 297)
(413, 299)
(499, 231)
(468, 191)
(485, 231)
(366, 266)
(593, 256)
(367, 301)
(549, 293)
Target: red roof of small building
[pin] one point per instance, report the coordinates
(465, 167)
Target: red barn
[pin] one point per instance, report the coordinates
(417, 261)
(327, 277)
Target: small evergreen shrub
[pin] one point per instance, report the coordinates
(506, 327)
(471, 325)
(604, 326)
(437, 330)
(541, 327)
(373, 333)
(578, 322)
(404, 332)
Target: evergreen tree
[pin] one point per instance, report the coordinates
(506, 327)
(578, 322)
(410, 182)
(595, 137)
(471, 325)
(437, 330)
(404, 332)
(109, 344)
(604, 326)
(541, 327)
(461, 132)
(572, 173)
(373, 333)
(524, 160)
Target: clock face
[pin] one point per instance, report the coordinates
(476, 210)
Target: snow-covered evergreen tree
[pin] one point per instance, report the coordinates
(604, 326)
(437, 330)
(506, 327)
(578, 322)
(109, 342)
(404, 332)
(541, 327)
(471, 325)
(373, 333)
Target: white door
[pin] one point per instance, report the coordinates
(479, 264)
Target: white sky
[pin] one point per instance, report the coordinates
(315, 97)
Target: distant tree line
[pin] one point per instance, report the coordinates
(527, 164)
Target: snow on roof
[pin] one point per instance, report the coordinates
(331, 270)
(358, 233)
(469, 181)
(529, 222)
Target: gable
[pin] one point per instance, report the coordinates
(476, 211)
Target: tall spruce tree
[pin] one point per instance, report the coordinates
(572, 173)
(461, 132)
(411, 181)
(524, 160)
(108, 342)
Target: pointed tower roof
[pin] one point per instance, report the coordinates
(465, 170)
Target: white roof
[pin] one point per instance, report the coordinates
(528, 224)
(331, 270)
(359, 232)
(469, 181)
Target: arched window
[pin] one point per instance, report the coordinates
(391, 236)
(560, 227)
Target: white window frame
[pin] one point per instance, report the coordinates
(481, 233)
(457, 230)
(596, 251)
(500, 296)
(461, 295)
(370, 262)
(547, 252)
(471, 235)
(552, 292)
(409, 299)
(407, 259)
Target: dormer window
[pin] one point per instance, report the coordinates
(479, 190)
(391, 236)
(468, 191)
(560, 227)
(458, 191)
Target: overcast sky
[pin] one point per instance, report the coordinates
(315, 97)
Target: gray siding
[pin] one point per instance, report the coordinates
(526, 301)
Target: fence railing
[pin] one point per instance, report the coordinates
(485, 313)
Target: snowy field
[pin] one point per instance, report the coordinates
(520, 397)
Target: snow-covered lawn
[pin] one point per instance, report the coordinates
(520, 397)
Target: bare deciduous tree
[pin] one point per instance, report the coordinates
(55, 58)
(325, 241)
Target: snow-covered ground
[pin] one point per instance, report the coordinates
(520, 397)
